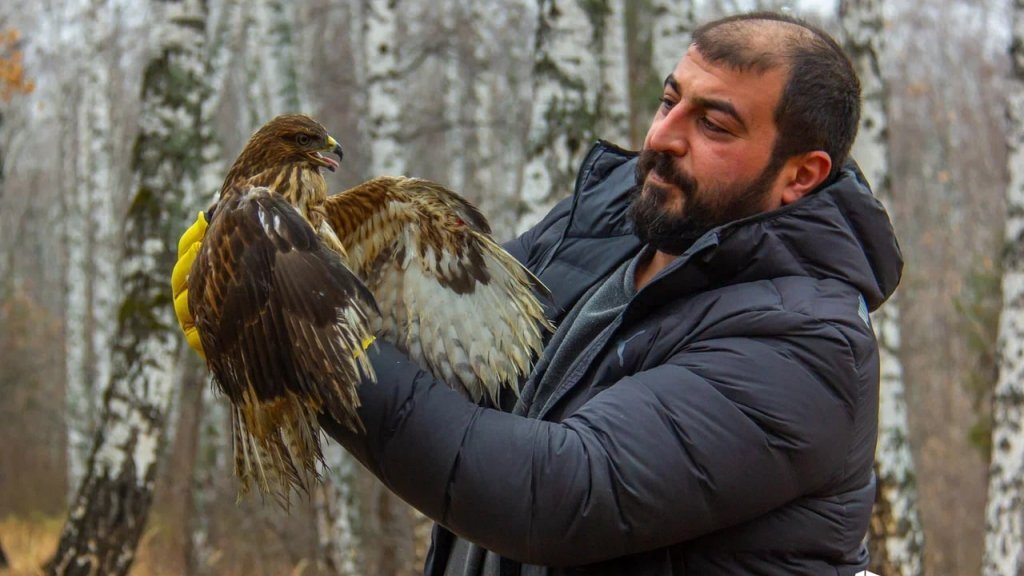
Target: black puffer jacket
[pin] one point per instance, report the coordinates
(726, 425)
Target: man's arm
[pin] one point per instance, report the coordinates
(698, 444)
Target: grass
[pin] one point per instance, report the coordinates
(28, 542)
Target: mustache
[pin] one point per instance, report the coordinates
(664, 166)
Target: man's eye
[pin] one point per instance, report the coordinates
(712, 127)
(666, 102)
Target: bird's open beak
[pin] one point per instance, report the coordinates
(332, 148)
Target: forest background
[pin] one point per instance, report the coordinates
(117, 121)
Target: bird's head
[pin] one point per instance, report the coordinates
(288, 139)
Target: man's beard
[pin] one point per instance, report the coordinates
(673, 232)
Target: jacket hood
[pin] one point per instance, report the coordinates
(840, 231)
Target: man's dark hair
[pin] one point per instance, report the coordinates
(820, 105)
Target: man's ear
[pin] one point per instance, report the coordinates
(803, 173)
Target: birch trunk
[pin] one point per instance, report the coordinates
(1004, 538)
(461, 74)
(214, 465)
(110, 509)
(486, 92)
(89, 219)
(370, 515)
(272, 75)
(175, 499)
(613, 99)
(386, 521)
(895, 539)
(674, 23)
(381, 61)
(337, 542)
(564, 104)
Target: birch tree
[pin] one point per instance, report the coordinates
(381, 77)
(465, 92)
(274, 84)
(896, 538)
(1004, 538)
(89, 227)
(212, 415)
(569, 52)
(674, 23)
(487, 105)
(382, 520)
(110, 509)
(613, 97)
(337, 541)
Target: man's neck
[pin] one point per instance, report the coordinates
(649, 267)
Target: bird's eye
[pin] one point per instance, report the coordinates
(303, 139)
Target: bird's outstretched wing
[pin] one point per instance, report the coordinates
(282, 322)
(450, 296)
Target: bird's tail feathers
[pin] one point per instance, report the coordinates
(277, 447)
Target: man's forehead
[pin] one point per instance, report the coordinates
(749, 92)
(748, 96)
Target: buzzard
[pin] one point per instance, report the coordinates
(290, 285)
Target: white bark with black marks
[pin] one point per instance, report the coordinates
(564, 103)
(383, 105)
(110, 509)
(1004, 539)
(333, 499)
(674, 23)
(613, 103)
(90, 232)
(896, 538)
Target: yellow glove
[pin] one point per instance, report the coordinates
(188, 248)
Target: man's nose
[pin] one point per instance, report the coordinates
(668, 133)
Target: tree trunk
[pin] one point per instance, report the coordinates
(273, 77)
(485, 93)
(613, 98)
(674, 23)
(175, 499)
(386, 531)
(376, 25)
(338, 545)
(565, 113)
(213, 479)
(111, 506)
(1004, 539)
(381, 61)
(88, 228)
(895, 537)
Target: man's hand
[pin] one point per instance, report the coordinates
(188, 247)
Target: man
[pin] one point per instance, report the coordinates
(709, 403)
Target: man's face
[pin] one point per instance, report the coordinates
(706, 157)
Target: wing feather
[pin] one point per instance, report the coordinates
(282, 321)
(452, 298)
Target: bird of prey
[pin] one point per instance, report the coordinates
(291, 284)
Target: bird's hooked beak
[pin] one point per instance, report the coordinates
(336, 149)
(332, 148)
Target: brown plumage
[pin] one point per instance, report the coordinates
(279, 316)
(282, 318)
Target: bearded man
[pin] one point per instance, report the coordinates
(709, 402)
